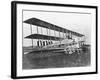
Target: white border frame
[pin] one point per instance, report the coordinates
(52, 71)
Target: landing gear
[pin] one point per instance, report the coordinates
(68, 51)
(72, 50)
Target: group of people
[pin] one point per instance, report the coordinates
(41, 43)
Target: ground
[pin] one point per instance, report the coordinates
(56, 60)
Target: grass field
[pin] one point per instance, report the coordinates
(56, 60)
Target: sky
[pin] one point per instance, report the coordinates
(77, 22)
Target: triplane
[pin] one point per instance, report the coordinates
(67, 42)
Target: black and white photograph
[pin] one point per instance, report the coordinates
(55, 39)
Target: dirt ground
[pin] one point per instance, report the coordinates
(56, 60)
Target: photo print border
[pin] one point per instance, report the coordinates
(14, 57)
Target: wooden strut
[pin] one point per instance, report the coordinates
(59, 36)
(49, 35)
(63, 35)
(42, 39)
(31, 34)
(48, 40)
(38, 39)
(54, 33)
